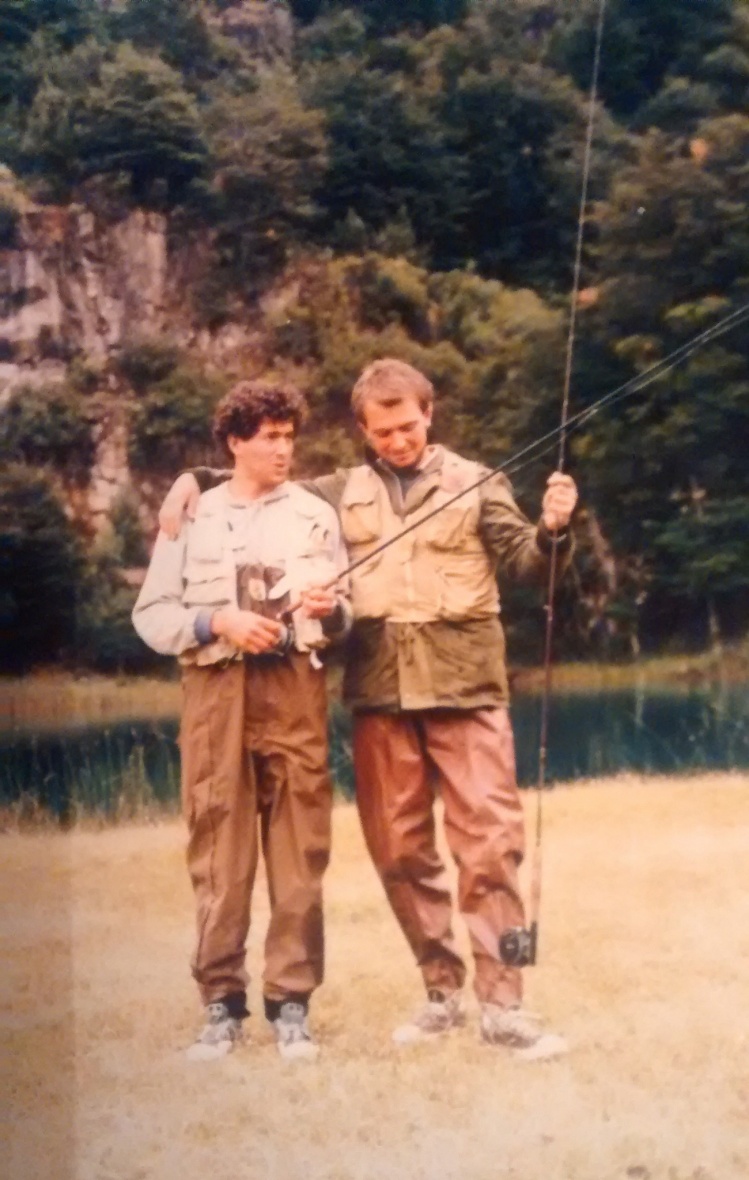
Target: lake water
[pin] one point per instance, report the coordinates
(117, 767)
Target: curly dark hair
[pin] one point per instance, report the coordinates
(242, 410)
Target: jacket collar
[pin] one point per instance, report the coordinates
(279, 493)
(425, 483)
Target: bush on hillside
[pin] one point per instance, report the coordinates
(48, 425)
(146, 362)
(170, 426)
(40, 570)
(128, 115)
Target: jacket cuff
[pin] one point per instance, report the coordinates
(546, 541)
(338, 624)
(286, 642)
(202, 627)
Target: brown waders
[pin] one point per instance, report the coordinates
(254, 774)
(471, 753)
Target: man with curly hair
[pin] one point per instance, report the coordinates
(239, 598)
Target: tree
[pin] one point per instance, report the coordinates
(126, 115)
(517, 132)
(177, 31)
(170, 424)
(645, 44)
(40, 569)
(666, 471)
(56, 25)
(105, 639)
(48, 426)
(387, 151)
(384, 18)
(480, 152)
(268, 154)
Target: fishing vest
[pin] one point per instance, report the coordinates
(213, 553)
(441, 570)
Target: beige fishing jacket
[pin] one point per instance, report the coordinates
(198, 571)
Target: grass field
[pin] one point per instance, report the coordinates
(645, 945)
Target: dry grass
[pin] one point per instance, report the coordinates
(675, 672)
(645, 945)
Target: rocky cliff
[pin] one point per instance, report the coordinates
(71, 285)
(77, 285)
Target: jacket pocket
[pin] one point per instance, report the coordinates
(450, 528)
(206, 591)
(360, 519)
(205, 543)
(205, 570)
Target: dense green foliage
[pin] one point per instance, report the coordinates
(104, 638)
(40, 570)
(170, 424)
(48, 426)
(405, 178)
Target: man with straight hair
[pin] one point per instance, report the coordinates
(254, 719)
(427, 683)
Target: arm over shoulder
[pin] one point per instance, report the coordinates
(209, 477)
(328, 487)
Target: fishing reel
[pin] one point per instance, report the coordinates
(517, 945)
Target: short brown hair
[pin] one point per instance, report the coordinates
(243, 409)
(390, 382)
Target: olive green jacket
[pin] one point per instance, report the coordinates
(456, 663)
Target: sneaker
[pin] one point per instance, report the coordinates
(440, 1013)
(292, 1034)
(519, 1030)
(219, 1035)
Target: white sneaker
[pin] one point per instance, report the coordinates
(438, 1015)
(519, 1030)
(219, 1035)
(292, 1033)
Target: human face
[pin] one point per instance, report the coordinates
(397, 434)
(265, 459)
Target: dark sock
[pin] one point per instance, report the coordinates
(236, 1004)
(273, 1007)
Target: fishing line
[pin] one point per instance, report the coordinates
(530, 453)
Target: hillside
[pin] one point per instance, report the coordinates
(197, 191)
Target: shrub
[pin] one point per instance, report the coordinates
(84, 375)
(9, 218)
(106, 640)
(127, 532)
(393, 291)
(12, 201)
(171, 424)
(40, 570)
(145, 362)
(48, 425)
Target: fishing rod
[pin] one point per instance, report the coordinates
(518, 946)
